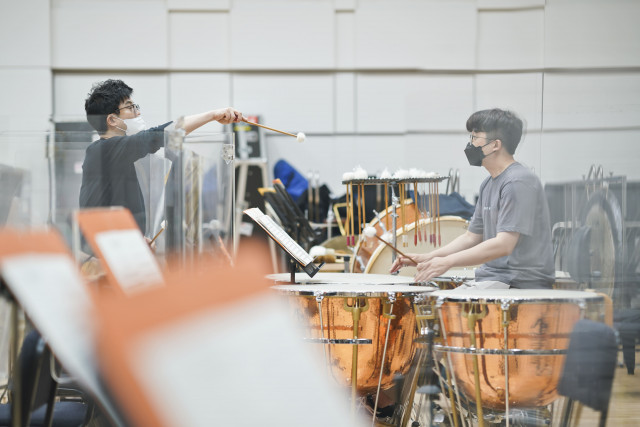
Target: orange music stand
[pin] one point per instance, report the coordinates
(191, 354)
(38, 270)
(95, 224)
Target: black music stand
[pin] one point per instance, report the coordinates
(291, 216)
(297, 255)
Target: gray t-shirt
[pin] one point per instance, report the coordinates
(515, 201)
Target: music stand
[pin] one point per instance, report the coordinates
(292, 218)
(296, 253)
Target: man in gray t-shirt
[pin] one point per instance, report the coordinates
(510, 231)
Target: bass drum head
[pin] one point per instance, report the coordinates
(450, 228)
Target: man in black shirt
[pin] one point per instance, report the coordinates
(108, 172)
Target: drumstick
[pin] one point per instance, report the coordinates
(300, 136)
(364, 211)
(386, 203)
(224, 251)
(371, 232)
(163, 224)
(416, 216)
(347, 217)
(438, 203)
(353, 229)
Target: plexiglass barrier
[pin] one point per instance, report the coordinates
(181, 184)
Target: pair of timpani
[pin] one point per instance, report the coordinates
(503, 349)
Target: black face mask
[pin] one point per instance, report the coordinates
(475, 154)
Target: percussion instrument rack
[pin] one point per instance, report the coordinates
(395, 200)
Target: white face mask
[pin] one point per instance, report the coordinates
(133, 125)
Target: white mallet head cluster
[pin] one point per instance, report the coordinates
(385, 174)
(301, 137)
(369, 231)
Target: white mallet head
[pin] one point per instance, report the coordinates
(300, 137)
(369, 231)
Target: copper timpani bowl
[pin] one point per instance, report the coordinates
(538, 325)
(344, 333)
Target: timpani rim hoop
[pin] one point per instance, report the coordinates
(521, 296)
(438, 178)
(500, 351)
(354, 290)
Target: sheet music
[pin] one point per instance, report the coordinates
(280, 236)
(129, 258)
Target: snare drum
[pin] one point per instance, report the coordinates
(350, 321)
(371, 256)
(506, 347)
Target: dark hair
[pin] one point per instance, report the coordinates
(104, 99)
(498, 124)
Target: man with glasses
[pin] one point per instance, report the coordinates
(108, 172)
(510, 231)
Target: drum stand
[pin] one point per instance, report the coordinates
(426, 370)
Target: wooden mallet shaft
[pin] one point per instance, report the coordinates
(395, 249)
(272, 129)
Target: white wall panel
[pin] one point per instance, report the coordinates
(149, 91)
(24, 33)
(109, 35)
(345, 102)
(345, 40)
(344, 4)
(199, 5)
(199, 40)
(409, 34)
(511, 39)
(438, 102)
(26, 99)
(521, 93)
(409, 102)
(289, 102)
(381, 102)
(591, 100)
(282, 35)
(193, 93)
(601, 33)
(509, 4)
(567, 156)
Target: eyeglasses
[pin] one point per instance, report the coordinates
(132, 107)
(474, 137)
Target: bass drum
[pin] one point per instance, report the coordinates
(379, 260)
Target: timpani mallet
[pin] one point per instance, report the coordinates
(300, 137)
(370, 231)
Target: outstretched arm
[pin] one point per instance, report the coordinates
(221, 115)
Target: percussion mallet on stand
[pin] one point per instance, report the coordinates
(371, 232)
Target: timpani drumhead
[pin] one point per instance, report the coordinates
(353, 289)
(348, 278)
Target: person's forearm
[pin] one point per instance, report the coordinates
(480, 253)
(460, 243)
(193, 122)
